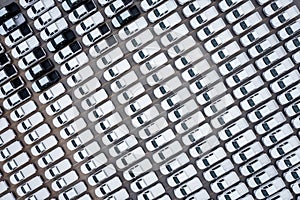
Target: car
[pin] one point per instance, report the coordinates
(58, 169)
(144, 181)
(74, 63)
(9, 11)
(182, 111)
(153, 63)
(289, 95)
(138, 169)
(23, 32)
(162, 10)
(30, 122)
(218, 40)
(248, 87)
(194, 7)
(225, 117)
(175, 99)
(39, 7)
(262, 176)
(115, 134)
(147, 5)
(24, 110)
(73, 192)
(116, 70)
(80, 76)
(173, 164)
(89, 23)
(181, 176)
(167, 152)
(225, 52)
(82, 11)
(108, 122)
(93, 163)
(29, 186)
(263, 46)
(59, 105)
(284, 17)
(32, 58)
(92, 101)
(60, 41)
(283, 194)
(64, 181)
(233, 63)
(116, 7)
(239, 12)
(167, 87)
(10, 87)
(46, 81)
(47, 18)
(79, 140)
(41, 193)
(254, 35)
(10, 150)
(198, 133)
(145, 117)
(102, 174)
(54, 29)
(247, 153)
(137, 105)
(240, 141)
(225, 182)
(277, 135)
(204, 17)
(289, 30)
(293, 44)
(124, 82)
(67, 52)
(296, 57)
(120, 194)
(126, 17)
(278, 69)
(12, 24)
(189, 59)
(211, 158)
(86, 88)
(52, 93)
(160, 75)
(160, 140)
(22, 174)
(108, 187)
(285, 81)
(269, 188)
(4, 124)
(210, 29)
(16, 99)
(167, 23)
(37, 134)
(133, 28)
(296, 122)
(7, 136)
(39, 70)
(270, 123)
(240, 75)
(44, 145)
(146, 52)
(284, 147)
(233, 129)
(292, 174)
(275, 6)
(70, 5)
(226, 5)
(25, 47)
(138, 41)
(234, 192)
(96, 34)
(288, 160)
(255, 99)
(204, 146)
(182, 47)
(174, 35)
(16, 162)
(262, 111)
(153, 192)
(188, 188)
(109, 58)
(123, 146)
(75, 127)
(103, 46)
(65, 117)
(292, 109)
(247, 23)
(153, 128)
(202, 194)
(25, 4)
(51, 157)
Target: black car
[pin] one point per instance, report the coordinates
(46, 81)
(126, 17)
(39, 70)
(7, 72)
(9, 11)
(60, 41)
(4, 59)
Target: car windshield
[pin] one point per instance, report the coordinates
(112, 7)
(76, 14)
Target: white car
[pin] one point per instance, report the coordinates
(233, 129)
(80, 76)
(247, 153)
(270, 123)
(110, 58)
(225, 182)
(25, 47)
(64, 181)
(284, 17)
(153, 63)
(25, 4)
(226, 117)
(116, 7)
(147, 5)
(86, 88)
(225, 52)
(125, 81)
(240, 141)
(262, 111)
(65, 117)
(96, 34)
(133, 28)
(116, 70)
(204, 17)
(123, 146)
(181, 47)
(89, 23)
(182, 110)
(29, 186)
(211, 158)
(102, 46)
(188, 59)
(86, 151)
(195, 135)
(146, 52)
(30, 122)
(289, 95)
(254, 35)
(255, 164)
(289, 160)
(4, 123)
(162, 10)
(130, 158)
(144, 181)
(39, 8)
(174, 164)
(44, 145)
(160, 75)
(59, 105)
(138, 41)
(167, 152)
(255, 99)
(54, 29)
(19, 35)
(137, 169)
(167, 23)
(119, 195)
(115, 134)
(240, 75)
(160, 140)
(262, 176)
(16, 162)
(67, 52)
(108, 187)
(153, 128)
(7, 136)
(73, 192)
(108, 122)
(285, 81)
(292, 109)
(74, 63)
(248, 87)
(137, 105)
(41, 193)
(278, 69)
(217, 171)
(102, 174)
(167, 87)
(58, 169)
(52, 93)
(153, 192)
(82, 11)
(247, 23)
(145, 117)
(181, 176)
(275, 6)
(188, 188)
(211, 93)
(194, 7)
(269, 188)
(210, 29)
(277, 135)
(37, 133)
(10, 87)
(234, 63)
(218, 105)
(93, 100)
(293, 44)
(225, 5)
(283, 194)
(32, 58)
(175, 99)
(93, 163)
(234, 192)
(239, 12)
(218, 40)
(47, 18)
(204, 146)
(101, 111)
(10, 150)
(263, 46)
(11, 24)
(174, 35)
(284, 147)
(289, 30)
